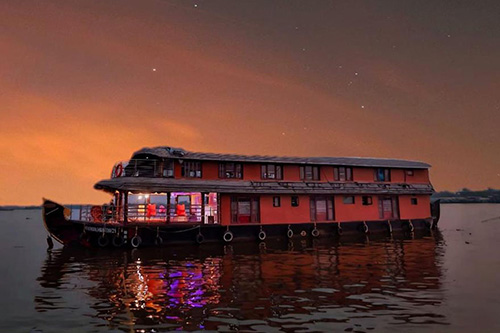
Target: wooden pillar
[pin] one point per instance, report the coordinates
(203, 207)
(168, 207)
(219, 212)
(125, 208)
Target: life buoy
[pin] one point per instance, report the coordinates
(96, 213)
(158, 240)
(410, 225)
(117, 241)
(103, 241)
(228, 236)
(118, 170)
(315, 232)
(289, 233)
(200, 238)
(136, 241)
(365, 228)
(262, 235)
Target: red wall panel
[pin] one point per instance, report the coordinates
(420, 211)
(357, 211)
(286, 213)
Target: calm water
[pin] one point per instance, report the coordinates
(446, 282)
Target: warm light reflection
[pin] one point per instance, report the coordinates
(167, 288)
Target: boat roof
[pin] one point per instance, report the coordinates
(151, 185)
(179, 153)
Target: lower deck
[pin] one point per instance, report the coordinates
(195, 208)
(102, 233)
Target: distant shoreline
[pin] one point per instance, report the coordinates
(10, 208)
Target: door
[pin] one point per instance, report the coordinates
(245, 210)
(388, 208)
(321, 208)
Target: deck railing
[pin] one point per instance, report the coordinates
(145, 213)
(143, 168)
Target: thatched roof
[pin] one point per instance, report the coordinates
(151, 185)
(179, 153)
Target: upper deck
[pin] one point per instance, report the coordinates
(163, 169)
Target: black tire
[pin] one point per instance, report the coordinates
(262, 235)
(289, 233)
(228, 236)
(158, 240)
(200, 238)
(117, 241)
(103, 241)
(315, 232)
(363, 228)
(339, 230)
(136, 241)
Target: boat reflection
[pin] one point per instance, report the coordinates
(252, 286)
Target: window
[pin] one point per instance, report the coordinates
(168, 168)
(191, 169)
(276, 201)
(342, 174)
(382, 175)
(245, 210)
(321, 208)
(295, 201)
(367, 200)
(271, 171)
(414, 201)
(309, 172)
(230, 170)
(349, 200)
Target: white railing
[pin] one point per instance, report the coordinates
(146, 213)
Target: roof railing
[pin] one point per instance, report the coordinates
(143, 168)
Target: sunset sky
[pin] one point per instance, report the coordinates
(83, 84)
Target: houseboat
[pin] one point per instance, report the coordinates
(167, 195)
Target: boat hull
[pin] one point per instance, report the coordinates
(90, 234)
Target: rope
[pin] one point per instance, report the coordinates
(185, 230)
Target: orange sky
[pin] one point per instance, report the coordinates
(85, 83)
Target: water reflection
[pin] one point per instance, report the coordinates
(299, 286)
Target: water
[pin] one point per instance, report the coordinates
(446, 282)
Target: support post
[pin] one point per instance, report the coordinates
(168, 207)
(219, 212)
(125, 208)
(203, 207)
